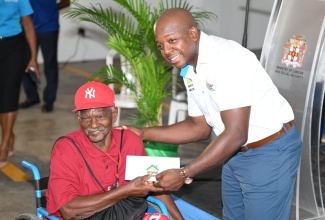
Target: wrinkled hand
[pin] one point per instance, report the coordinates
(137, 130)
(169, 180)
(140, 186)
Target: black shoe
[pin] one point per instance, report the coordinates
(47, 107)
(27, 104)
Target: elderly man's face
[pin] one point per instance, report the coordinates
(97, 123)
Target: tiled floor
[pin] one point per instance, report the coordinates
(36, 132)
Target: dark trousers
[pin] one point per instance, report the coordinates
(48, 42)
(12, 66)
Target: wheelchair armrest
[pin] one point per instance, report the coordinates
(41, 212)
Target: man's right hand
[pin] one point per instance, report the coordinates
(137, 130)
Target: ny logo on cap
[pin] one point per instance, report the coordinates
(90, 93)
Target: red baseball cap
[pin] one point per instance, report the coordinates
(93, 95)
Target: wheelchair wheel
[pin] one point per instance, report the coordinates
(27, 216)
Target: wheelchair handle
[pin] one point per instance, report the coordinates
(33, 168)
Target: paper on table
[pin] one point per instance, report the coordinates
(141, 165)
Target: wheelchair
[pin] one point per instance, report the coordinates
(40, 184)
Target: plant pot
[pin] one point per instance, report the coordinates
(158, 149)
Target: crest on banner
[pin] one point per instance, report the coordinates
(294, 51)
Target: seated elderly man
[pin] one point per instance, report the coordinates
(87, 167)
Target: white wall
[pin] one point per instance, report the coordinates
(231, 20)
(230, 25)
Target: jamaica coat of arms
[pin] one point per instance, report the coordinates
(294, 51)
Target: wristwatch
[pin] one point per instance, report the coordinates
(187, 179)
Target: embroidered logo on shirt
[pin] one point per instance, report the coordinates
(210, 86)
(90, 93)
(190, 85)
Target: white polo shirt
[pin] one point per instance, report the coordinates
(229, 76)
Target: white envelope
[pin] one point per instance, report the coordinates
(142, 165)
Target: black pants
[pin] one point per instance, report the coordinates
(48, 42)
(132, 208)
(12, 68)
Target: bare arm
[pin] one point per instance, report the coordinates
(30, 34)
(63, 4)
(190, 130)
(85, 206)
(224, 146)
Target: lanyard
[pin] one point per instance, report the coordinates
(117, 162)
(88, 166)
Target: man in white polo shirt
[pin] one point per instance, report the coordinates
(229, 92)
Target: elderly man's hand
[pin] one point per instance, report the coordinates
(169, 180)
(140, 187)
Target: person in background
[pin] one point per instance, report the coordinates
(46, 21)
(76, 192)
(16, 27)
(230, 93)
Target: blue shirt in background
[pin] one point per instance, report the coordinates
(11, 12)
(46, 15)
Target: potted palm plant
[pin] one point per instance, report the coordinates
(130, 33)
